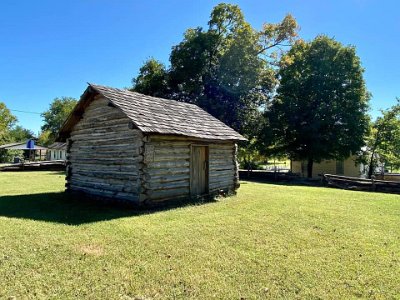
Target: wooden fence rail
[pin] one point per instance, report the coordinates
(361, 184)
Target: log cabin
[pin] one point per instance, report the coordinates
(138, 149)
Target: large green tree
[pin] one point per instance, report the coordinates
(21, 134)
(383, 143)
(7, 121)
(152, 79)
(56, 115)
(227, 69)
(320, 110)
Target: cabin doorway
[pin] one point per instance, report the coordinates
(199, 170)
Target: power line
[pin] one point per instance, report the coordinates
(26, 112)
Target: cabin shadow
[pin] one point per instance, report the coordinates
(69, 209)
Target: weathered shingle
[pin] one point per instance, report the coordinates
(157, 115)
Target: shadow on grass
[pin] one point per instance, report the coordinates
(71, 210)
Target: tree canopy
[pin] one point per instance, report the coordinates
(7, 121)
(227, 69)
(383, 143)
(56, 115)
(21, 134)
(152, 79)
(320, 110)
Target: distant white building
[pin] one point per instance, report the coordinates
(57, 151)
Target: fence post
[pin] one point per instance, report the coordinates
(373, 186)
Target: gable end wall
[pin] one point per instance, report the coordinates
(104, 156)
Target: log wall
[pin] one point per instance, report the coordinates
(104, 155)
(223, 167)
(167, 167)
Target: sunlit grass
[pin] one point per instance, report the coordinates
(269, 241)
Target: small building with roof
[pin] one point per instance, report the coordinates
(139, 149)
(57, 151)
(32, 152)
(346, 167)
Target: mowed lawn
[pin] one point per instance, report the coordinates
(269, 241)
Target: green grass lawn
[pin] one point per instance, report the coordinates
(269, 241)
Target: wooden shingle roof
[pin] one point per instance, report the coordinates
(161, 116)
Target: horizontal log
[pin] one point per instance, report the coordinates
(104, 156)
(102, 110)
(222, 169)
(165, 199)
(94, 124)
(171, 150)
(171, 158)
(119, 127)
(102, 115)
(214, 162)
(221, 159)
(102, 147)
(106, 129)
(106, 142)
(167, 178)
(174, 143)
(217, 181)
(105, 168)
(79, 147)
(157, 186)
(127, 135)
(105, 193)
(82, 152)
(131, 176)
(221, 177)
(103, 186)
(165, 172)
(97, 183)
(167, 164)
(111, 181)
(125, 170)
(105, 161)
(226, 156)
(167, 193)
(218, 163)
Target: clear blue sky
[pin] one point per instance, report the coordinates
(52, 48)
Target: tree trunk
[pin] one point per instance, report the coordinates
(371, 166)
(310, 164)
